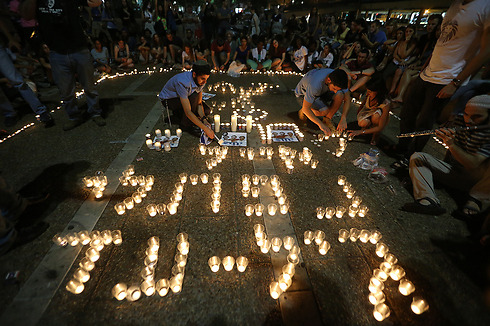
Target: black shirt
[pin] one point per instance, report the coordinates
(60, 24)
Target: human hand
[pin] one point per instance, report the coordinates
(446, 135)
(447, 91)
(326, 130)
(222, 67)
(208, 132)
(342, 124)
(353, 133)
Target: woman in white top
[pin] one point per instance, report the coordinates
(299, 56)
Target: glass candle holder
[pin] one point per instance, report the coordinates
(255, 192)
(353, 210)
(284, 281)
(123, 181)
(106, 236)
(86, 264)
(152, 254)
(318, 235)
(133, 181)
(381, 311)
(216, 177)
(183, 247)
(385, 267)
(350, 193)
(241, 264)
(120, 208)
(162, 287)
(147, 273)
(129, 203)
(314, 164)
(172, 208)
(381, 249)
(275, 290)
(263, 180)
(72, 239)
(154, 241)
(320, 213)
(356, 201)
(150, 180)
(380, 275)
(340, 211)
(249, 209)
(266, 246)
(209, 164)
(180, 260)
(288, 269)
(95, 234)
(406, 287)
(81, 275)
(339, 152)
(281, 200)
(259, 209)
(419, 305)
(177, 269)
(375, 285)
(259, 229)
(243, 152)
(341, 179)
(182, 237)
(142, 192)
(148, 287)
(204, 178)
(214, 263)
(276, 244)
(362, 210)
(84, 237)
(215, 205)
(262, 151)
(176, 282)
(354, 234)
(141, 180)
(308, 237)
(294, 251)
(136, 196)
(343, 235)
(228, 263)
(260, 239)
(133, 293)
(60, 240)
(278, 192)
(92, 254)
(324, 247)
(75, 286)
(293, 259)
(375, 237)
(202, 149)
(119, 291)
(272, 209)
(161, 209)
(193, 178)
(390, 259)
(183, 177)
(364, 236)
(397, 273)
(255, 179)
(377, 297)
(88, 182)
(245, 192)
(288, 242)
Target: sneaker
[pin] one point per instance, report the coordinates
(99, 121)
(72, 124)
(10, 121)
(47, 120)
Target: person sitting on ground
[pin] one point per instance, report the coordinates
(320, 93)
(359, 70)
(240, 57)
(313, 54)
(172, 44)
(278, 55)
(144, 50)
(182, 94)
(298, 56)
(325, 58)
(202, 50)
(374, 112)
(389, 47)
(466, 166)
(101, 57)
(121, 55)
(188, 57)
(157, 49)
(220, 54)
(259, 61)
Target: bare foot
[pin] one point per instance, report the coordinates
(398, 99)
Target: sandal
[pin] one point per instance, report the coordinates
(400, 164)
(433, 208)
(470, 209)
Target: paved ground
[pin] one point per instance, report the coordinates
(448, 270)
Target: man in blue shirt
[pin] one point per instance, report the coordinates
(376, 37)
(323, 91)
(183, 95)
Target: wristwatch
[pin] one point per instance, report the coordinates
(456, 82)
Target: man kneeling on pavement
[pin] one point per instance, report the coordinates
(466, 166)
(323, 92)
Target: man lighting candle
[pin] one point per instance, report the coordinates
(183, 95)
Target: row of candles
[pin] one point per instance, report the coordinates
(249, 152)
(219, 154)
(233, 124)
(228, 263)
(96, 241)
(157, 145)
(266, 135)
(144, 184)
(148, 285)
(97, 183)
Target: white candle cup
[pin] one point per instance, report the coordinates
(381, 249)
(381, 311)
(129, 203)
(84, 237)
(318, 235)
(390, 259)
(343, 235)
(263, 180)
(228, 263)
(75, 286)
(255, 192)
(353, 210)
(406, 287)
(255, 179)
(158, 133)
(324, 247)
(162, 287)
(137, 197)
(375, 285)
(259, 209)
(183, 247)
(340, 211)
(284, 281)
(120, 208)
(217, 122)
(181, 260)
(86, 264)
(248, 120)
(98, 192)
(364, 236)
(249, 209)
(119, 291)
(167, 133)
(148, 287)
(397, 273)
(214, 263)
(95, 235)
(130, 169)
(106, 237)
(233, 123)
(272, 209)
(133, 293)
(320, 213)
(92, 254)
(419, 305)
(81, 275)
(281, 200)
(329, 212)
(178, 132)
(72, 239)
(161, 209)
(275, 290)
(362, 210)
(339, 152)
(380, 275)
(179, 187)
(354, 234)
(241, 264)
(375, 237)
(276, 244)
(283, 209)
(288, 242)
(204, 178)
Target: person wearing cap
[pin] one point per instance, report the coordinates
(182, 94)
(466, 167)
(320, 93)
(220, 54)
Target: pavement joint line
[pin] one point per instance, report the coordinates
(36, 294)
(130, 90)
(284, 228)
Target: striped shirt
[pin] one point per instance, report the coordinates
(473, 142)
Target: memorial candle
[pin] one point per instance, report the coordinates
(234, 122)
(217, 122)
(249, 123)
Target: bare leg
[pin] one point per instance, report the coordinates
(396, 78)
(359, 83)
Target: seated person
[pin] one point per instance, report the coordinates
(259, 59)
(466, 166)
(202, 50)
(220, 54)
(325, 58)
(144, 50)
(101, 57)
(183, 95)
(323, 91)
(157, 46)
(298, 56)
(374, 112)
(277, 54)
(240, 57)
(174, 45)
(121, 55)
(313, 54)
(359, 70)
(188, 57)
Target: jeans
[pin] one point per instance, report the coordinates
(8, 70)
(65, 67)
(175, 106)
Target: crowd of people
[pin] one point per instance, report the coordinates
(384, 64)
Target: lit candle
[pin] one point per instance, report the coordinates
(133, 293)
(204, 178)
(340, 211)
(375, 237)
(255, 192)
(214, 263)
(324, 247)
(158, 146)
(381, 249)
(356, 201)
(106, 236)
(241, 264)
(397, 272)
(308, 237)
(354, 234)
(363, 210)
(98, 192)
(381, 311)
(83, 237)
(167, 133)
(86, 264)
(314, 164)
(293, 259)
(284, 281)
(215, 206)
(81, 275)
(380, 275)
(320, 213)
(419, 305)
(202, 149)
(116, 237)
(233, 122)
(259, 209)
(119, 291)
(275, 290)
(283, 209)
(194, 178)
(248, 119)
(350, 193)
(375, 285)
(288, 242)
(260, 239)
(158, 133)
(129, 203)
(228, 263)
(272, 209)
(92, 254)
(172, 208)
(149, 143)
(167, 147)
(179, 132)
(249, 209)
(281, 200)
(329, 212)
(288, 269)
(364, 236)
(133, 181)
(75, 286)
(406, 287)
(72, 239)
(318, 235)
(217, 122)
(276, 244)
(263, 180)
(124, 181)
(151, 209)
(183, 247)
(353, 210)
(162, 287)
(137, 198)
(148, 287)
(339, 152)
(148, 273)
(87, 181)
(343, 235)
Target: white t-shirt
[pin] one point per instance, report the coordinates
(459, 42)
(299, 57)
(256, 56)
